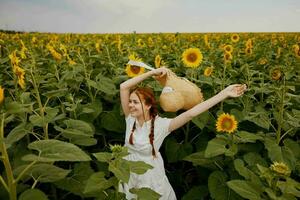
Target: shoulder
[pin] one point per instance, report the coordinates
(162, 121)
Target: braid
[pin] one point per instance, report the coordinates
(151, 136)
(131, 135)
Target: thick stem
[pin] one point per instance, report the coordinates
(11, 184)
(281, 109)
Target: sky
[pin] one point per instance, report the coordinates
(150, 16)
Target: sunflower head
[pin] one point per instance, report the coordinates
(192, 57)
(157, 61)
(248, 51)
(228, 48)
(226, 123)
(1, 95)
(132, 70)
(280, 168)
(235, 38)
(208, 71)
(276, 74)
(227, 57)
(262, 61)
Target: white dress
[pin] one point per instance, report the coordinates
(141, 150)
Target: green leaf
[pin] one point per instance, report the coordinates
(17, 108)
(244, 137)
(97, 183)
(201, 120)
(177, 151)
(196, 193)
(245, 189)
(17, 133)
(121, 169)
(145, 193)
(113, 121)
(44, 172)
(55, 150)
(198, 158)
(76, 182)
(31, 194)
(103, 156)
(280, 153)
(139, 167)
(218, 146)
(289, 186)
(217, 185)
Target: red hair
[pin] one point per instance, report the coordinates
(146, 95)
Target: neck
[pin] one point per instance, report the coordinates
(141, 119)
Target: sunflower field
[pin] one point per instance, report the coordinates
(62, 129)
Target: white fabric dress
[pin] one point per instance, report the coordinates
(141, 150)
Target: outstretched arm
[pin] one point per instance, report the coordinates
(127, 85)
(235, 90)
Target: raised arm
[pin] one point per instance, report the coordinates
(235, 90)
(130, 83)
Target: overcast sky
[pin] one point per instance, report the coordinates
(150, 16)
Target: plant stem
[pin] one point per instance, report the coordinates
(41, 107)
(11, 184)
(281, 109)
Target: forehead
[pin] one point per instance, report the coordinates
(134, 96)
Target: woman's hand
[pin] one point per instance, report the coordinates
(160, 72)
(235, 90)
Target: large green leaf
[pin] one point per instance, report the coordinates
(244, 136)
(280, 153)
(77, 180)
(44, 172)
(220, 145)
(245, 189)
(17, 133)
(245, 172)
(145, 194)
(201, 120)
(97, 182)
(217, 185)
(139, 167)
(198, 158)
(196, 193)
(31, 194)
(121, 169)
(113, 121)
(55, 150)
(176, 151)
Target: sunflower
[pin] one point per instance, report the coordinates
(235, 38)
(226, 123)
(262, 61)
(157, 61)
(228, 48)
(208, 71)
(280, 168)
(1, 95)
(248, 51)
(276, 74)
(192, 57)
(249, 43)
(227, 56)
(20, 73)
(132, 70)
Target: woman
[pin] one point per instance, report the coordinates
(145, 130)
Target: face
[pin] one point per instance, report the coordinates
(135, 106)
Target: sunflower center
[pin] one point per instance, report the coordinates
(135, 69)
(227, 124)
(192, 57)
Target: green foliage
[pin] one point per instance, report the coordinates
(69, 113)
